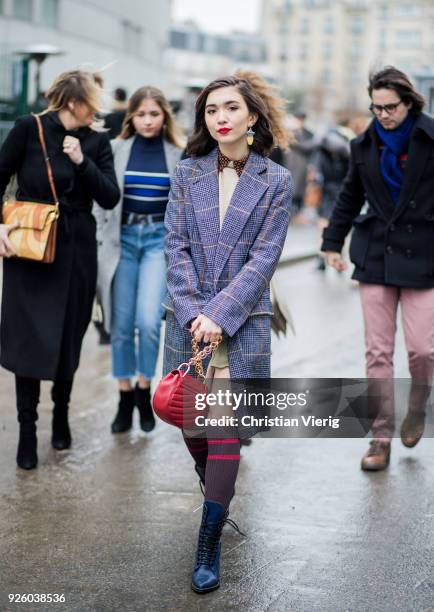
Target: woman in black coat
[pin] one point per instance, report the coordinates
(46, 308)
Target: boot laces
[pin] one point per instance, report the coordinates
(209, 538)
(232, 523)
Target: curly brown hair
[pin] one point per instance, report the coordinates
(269, 126)
(276, 107)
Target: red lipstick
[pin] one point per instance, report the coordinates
(224, 130)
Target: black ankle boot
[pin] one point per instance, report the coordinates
(27, 390)
(61, 434)
(27, 457)
(143, 403)
(124, 417)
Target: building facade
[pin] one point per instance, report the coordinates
(323, 50)
(126, 40)
(194, 58)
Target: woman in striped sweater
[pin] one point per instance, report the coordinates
(132, 268)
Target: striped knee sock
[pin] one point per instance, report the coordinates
(222, 470)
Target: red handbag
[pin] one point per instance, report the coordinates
(174, 399)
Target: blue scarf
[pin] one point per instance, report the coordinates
(395, 144)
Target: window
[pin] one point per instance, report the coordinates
(329, 25)
(304, 26)
(132, 35)
(178, 40)
(408, 39)
(314, 4)
(50, 13)
(356, 50)
(357, 24)
(210, 44)
(328, 51)
(407, 9)
(384, 11)
(22, 9)
(303, 52)
(193, 41)
(283, 28)
(287, 7)
(326, 76)
(223, 46)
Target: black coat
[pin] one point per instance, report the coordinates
(391, 244)
(46, 308)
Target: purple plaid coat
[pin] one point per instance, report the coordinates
(225, 273)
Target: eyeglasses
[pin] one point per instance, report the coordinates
(377, 109)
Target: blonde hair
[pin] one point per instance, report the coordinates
(171, 131)
(74, 85)
(78, 86)
(275, 105)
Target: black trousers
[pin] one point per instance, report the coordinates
(28, 392)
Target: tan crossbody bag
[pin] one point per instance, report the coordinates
(35, 237)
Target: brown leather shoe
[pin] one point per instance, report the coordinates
(412, 428)
(377, 456)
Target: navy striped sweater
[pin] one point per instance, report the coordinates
(146, 181)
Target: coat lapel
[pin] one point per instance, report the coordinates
(418, 152)
(372, 153)
(204, 191)
(249, 190)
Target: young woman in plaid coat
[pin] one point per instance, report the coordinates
(227, 220)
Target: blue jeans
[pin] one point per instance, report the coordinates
(139, 288)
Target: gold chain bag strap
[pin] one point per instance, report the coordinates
(35, 236)
(198, 356)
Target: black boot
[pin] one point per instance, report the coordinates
(143, 403)
(61, 434)
(124, 417)
(27, 457)
(27, 390)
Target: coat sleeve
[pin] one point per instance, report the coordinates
(348, 205)
(182, 279)
(99, 175)
(233, 304)
(12, 154)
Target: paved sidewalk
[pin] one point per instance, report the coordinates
(302, 242)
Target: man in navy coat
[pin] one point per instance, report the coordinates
(392, 248)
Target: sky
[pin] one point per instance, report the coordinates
(219, 16)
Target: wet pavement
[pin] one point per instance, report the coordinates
(111, 523)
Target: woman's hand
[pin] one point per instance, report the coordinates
(72, 148)
(336, 260)
(6, 248)
(205, 329)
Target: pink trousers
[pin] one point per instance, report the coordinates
(380, 305)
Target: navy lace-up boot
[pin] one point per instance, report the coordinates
(206, 573)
